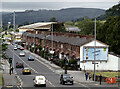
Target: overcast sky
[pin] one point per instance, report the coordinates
(22, 5)
(60, 0)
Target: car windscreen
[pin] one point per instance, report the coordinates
(66, 77)
(26, 69)
(31, 57)
(40, 78)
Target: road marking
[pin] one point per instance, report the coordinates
(31, 67)
(25, 62)
(53, 70)
(50, 83)
(42, 62)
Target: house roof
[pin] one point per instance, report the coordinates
(68, 40)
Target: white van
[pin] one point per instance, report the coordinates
(39, 80)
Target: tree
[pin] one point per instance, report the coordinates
(109, 33)
(17, 30)
(86, 26)
(69, 23)
(53, 19)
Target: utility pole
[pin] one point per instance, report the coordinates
(52, 44)
(1, 36)
(94, 48)
(13, 46)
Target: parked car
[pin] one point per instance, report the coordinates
(66, 78)
(19, 65)
(39, 80)
(26, 70)
(31, 58)
(22, 53)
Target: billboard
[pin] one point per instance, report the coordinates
(101, 53)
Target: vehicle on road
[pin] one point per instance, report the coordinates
(39, 80)
(22, 53)
(31, 58)
(15, 48)
(26, 70)
(19, 65)
(66, 78)
(21, 48)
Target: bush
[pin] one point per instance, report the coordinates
(31, 49)
(72, 64)
(41, 53)
(62, 63)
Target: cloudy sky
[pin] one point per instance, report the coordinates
(21, 5)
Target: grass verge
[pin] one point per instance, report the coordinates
(107, 74)
(1, 79)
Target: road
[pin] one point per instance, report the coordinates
(37, 69)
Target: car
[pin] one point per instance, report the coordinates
(31, 58)
(66, 78)
(22, 53)
(26, 70)
(21, 48)
(39, 80)
(15, 48)
(19, 65)
(16, 45)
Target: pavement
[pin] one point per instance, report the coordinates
(41, 65)
(9, 80)
(78, 76)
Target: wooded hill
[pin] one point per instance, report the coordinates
(60, 15)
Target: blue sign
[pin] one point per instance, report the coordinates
(100, 53)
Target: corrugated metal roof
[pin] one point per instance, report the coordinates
(35, 25)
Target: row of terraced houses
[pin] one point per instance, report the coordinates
(69, 45)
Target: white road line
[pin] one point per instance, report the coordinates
(25, 62)
(44, 64)
(30, 67)
(50, 83)
(54, 71)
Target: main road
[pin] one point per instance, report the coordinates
(37, 69)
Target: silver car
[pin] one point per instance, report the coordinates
(22, 53)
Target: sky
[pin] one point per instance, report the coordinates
(59, 0)
(22, 5)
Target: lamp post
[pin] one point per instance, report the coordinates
(94, 49)
(52, 45)
(13, 46)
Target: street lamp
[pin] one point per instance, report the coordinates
(52, 52)
(94, 49)
(13, 46)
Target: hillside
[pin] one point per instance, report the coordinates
(113, 11)
(45, 15)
